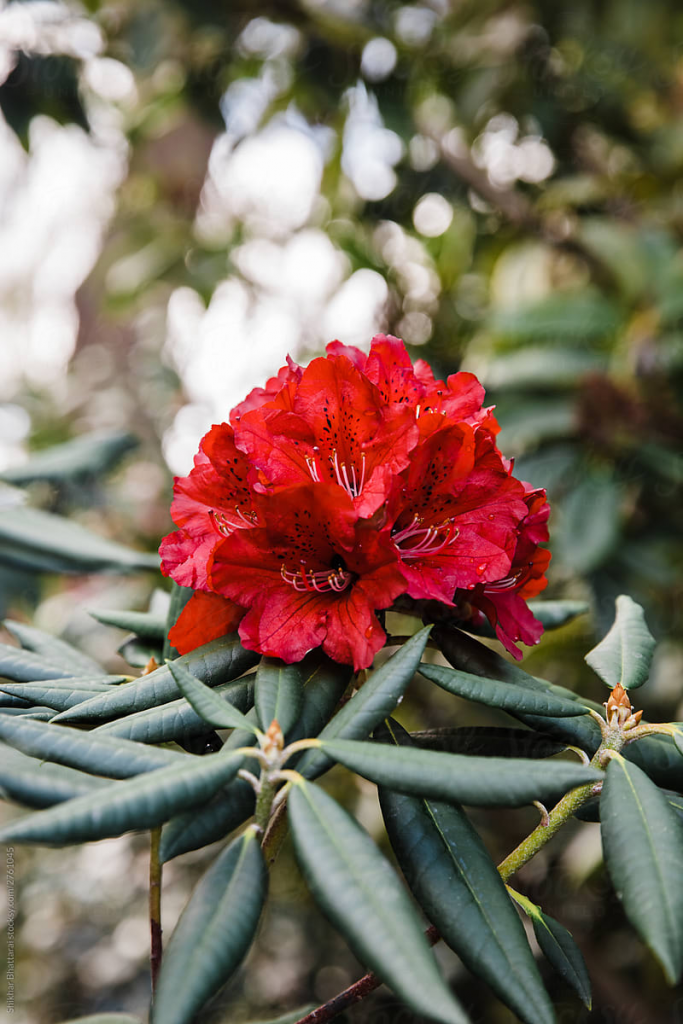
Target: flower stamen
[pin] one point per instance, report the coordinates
(323, 581)
(428, 540)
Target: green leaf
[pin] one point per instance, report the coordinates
(143, 802)
(89, 751)
(105, 1018)
(217, 662)
(144, 624)
(571, 315)
(506, 696)
(553, 614)
(355, 887)
(375, 700)
(324, 683)
(177, 720)
(625, 654)
(487, 741)
(453, 878)
(42, 542)
(209, 705)
(203, 825)
(660, 759)
(90, 455)
(138, 652)
(559, 948)
(56, 651)
(59, 698)
(37, 784)
(481, 781)
(24, 666)
(44, 714)
(642, 840)
(279, 693)
(214, 932)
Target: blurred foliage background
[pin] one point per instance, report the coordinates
(191, 190)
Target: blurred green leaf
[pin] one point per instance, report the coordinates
(143, 624)
(358, 891)
(590, 521)
(214, 932)
(91, 455)
(53, 649)
(25, 666)
(571, 316)
(553, 614)
(42, 542)
(625, 654)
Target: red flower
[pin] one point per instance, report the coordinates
(340, 487)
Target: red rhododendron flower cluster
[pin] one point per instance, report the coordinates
(341, 487)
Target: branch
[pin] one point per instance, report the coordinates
(154, 905)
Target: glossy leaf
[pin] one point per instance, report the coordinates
(558, 947)
(214, 932)
(143, 802)
(42, 542)
(279, 693)
(203, 825)
(325, 681)
(494, 694)
(144, 624)
(217, 662)
(89, 751)
(454, 880)
(481, 781)
(375, 700)
(355, 887)
(37, 784)
(660, 759)
(219, 713)
(625, 654)
(642, 840)
(177, 719)
(54, 650)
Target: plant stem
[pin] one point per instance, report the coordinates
(155, 905)
(543, 833)
(264, 801)
(275, 834)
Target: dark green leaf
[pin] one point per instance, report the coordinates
(482, 781)
(138, 653)
(558, 947)
(203, 825)
(458, 886)
(143, 802)
(42, 542)
(324, 683)
(358, 891)
(209, 705)
(89, 751)
(217, 662)
(507, 696)
(375, 700)
(279, 693)
(625, 654)
(214, 932)
(56, 651)
(38, 784)
(485, 741)
(179, 598)
(642, 840)
(590, 522)
(660, 759)
(177, 719)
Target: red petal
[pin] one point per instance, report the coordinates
(205, 617)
